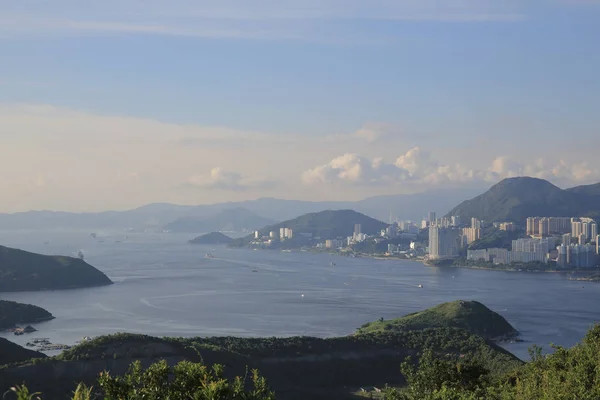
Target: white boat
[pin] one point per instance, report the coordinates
(420, 286)
(208, 255)
(332, 264)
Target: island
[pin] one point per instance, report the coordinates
(212, 238)
(308, 230)
(295, 367)
(13, 313)
(469, 315)
(24, 271)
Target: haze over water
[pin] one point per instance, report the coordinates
(165, 287)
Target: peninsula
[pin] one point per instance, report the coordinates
(13, 313)
(24, 271)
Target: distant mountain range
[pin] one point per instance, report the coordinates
(515, 199)
(158, 215)
(234, 219)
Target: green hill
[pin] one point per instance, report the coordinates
(13, 353)
(469, 315)
(295, 367)
(329, 224)
(24, 271)
(515, 199)
(12, 313)
(212, 238)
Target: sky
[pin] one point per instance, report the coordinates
(119, 103)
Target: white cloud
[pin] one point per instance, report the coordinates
(355, 169)
(220, 179)
(117, 162)
(417, 168)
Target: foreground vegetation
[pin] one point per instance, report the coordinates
(186, 380)
(566, 374)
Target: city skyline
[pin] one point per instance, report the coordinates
(203, 102)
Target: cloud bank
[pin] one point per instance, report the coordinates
(417, 167)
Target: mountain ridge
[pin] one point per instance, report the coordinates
(231, 219)
(515, 199)
(156, 215)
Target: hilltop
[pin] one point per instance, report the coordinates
(212, 238)
(12, 313)
(232, 219)
(327, 224)
(24, 271)
(469, 315)
(515, 199)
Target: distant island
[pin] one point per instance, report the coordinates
(212, 238)
(232, 219)
(469, 315)
(296, 367)
(308, 229)
(24, 271)
(13, 313)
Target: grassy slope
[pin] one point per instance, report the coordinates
(11, 353)
(21, 271)
(470, 315)
(12, 313)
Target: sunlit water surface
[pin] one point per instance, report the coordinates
(165, 287)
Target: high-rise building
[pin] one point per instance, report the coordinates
(576, 227)
(559, 225)
(475, 223)
(431, 217)
(593, 231)
(544, 228)
(533, 226)
(443, 242)
(566, 239)
(256, 235)
(357, 229)
(455, 220)
(563, 260)
(582, 239)
(598, 245)
(472, 234)
(507, 226)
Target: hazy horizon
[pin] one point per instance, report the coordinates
(116, 105)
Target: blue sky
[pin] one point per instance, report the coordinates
(196, 101)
